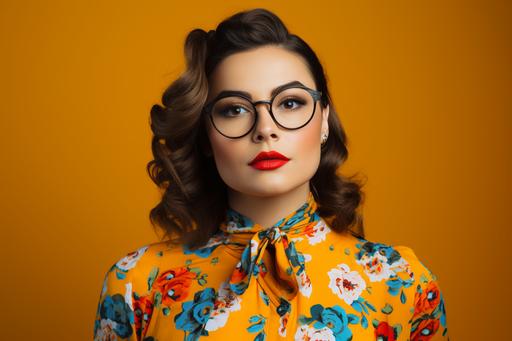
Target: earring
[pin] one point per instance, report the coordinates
(324, 138)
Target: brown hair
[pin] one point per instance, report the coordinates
(194, 197)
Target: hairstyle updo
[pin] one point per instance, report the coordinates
(194, 197)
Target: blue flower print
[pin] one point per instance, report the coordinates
(195, 314)
(296, 258)
(371, 248)
(383, 262)
(206, 250)
(115, 308)
(333, 318)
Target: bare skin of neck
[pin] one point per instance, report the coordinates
(268, 210)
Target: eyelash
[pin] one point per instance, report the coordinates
(283, 101)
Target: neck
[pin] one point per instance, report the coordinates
(267, 209)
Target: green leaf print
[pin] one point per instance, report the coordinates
(387, 309)
(152, 276)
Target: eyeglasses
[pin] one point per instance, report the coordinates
(235, 115)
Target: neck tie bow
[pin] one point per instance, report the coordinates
(269, 254)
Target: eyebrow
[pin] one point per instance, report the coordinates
(274, 91)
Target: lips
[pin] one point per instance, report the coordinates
(271, 155)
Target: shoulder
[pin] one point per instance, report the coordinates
(394, 258)
(138, 260)
(133, 268)
(381, 261)
(140, 266)
(135, 259)
(399, 265)
(115, 316)
(126, 291)
(412, 289)
(125, 266)
(418, 268)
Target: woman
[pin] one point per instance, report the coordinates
(263, 236)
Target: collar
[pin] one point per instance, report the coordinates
(269, 254)
(236, 222)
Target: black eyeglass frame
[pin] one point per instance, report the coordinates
(315, 94)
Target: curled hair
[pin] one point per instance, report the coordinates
(194, 197)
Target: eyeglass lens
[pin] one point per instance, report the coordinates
(234, 116)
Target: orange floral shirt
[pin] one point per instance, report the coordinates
(298, 280)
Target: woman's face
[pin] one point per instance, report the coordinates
(258, 72)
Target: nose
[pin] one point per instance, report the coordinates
(265, 127)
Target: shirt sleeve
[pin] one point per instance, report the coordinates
(428, 319)
(115, 317)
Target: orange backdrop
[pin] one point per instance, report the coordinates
(422, 88)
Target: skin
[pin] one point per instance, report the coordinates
(266, 196)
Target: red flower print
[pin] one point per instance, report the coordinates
(427, 301)
(143, 309)
(385, 331)
(425, 330)
(174, 285)
(285, 243)
(238, 275)
(309, 230)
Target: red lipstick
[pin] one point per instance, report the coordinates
(268, 160)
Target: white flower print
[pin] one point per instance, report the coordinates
(226, 302)
(305, 332)
(131, 259)
(283, 321)
(376, 266)
(401, 265)
(104, 287)
(319, 233)
(106, 330)
(128, 295)
(254, 246)
(305, 286)
(315, 234)
(295, 239)
(347, 285)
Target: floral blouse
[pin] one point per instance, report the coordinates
(298, 280)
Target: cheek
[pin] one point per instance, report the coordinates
(306, 149)
(229, 156)
(308, 140)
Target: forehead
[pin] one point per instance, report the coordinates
(258, 71)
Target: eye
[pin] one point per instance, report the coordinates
(235, 110)
(288, 103)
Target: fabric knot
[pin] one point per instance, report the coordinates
(268, 254)
(273, 234)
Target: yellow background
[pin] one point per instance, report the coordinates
(422, 88)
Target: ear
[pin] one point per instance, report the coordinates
(325, 118)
